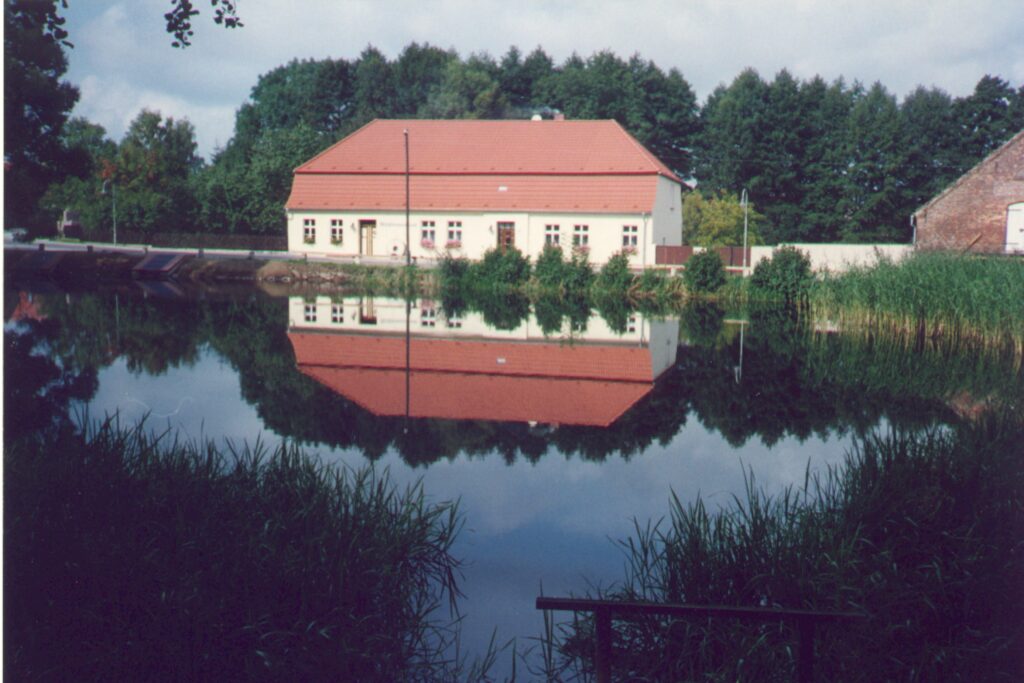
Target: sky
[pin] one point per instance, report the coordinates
(123, 61)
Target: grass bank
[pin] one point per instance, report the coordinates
(920, 531)
(134, 558)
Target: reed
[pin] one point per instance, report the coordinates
(920, 531)
(930, 295)
(134, 557)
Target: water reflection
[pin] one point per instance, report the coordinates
(395, 358)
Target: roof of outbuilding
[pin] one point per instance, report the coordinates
(457, 165)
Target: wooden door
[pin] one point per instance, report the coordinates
(366, 230)
(506, 235)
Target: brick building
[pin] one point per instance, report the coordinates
(983, 211)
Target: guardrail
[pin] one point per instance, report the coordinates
(605, 610)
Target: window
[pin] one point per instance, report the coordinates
(428, 317)
(454, 234)
(454, 322)
(337, 314)
(337, 231)
(629, 237)
(427, 234)
(631, 324)
(551, 234)
(309, 230)
(310, 313)
(580, 235)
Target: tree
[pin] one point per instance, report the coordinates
(90, 153)
(179, 19)
(986, 119)
(154, 165)
(717, 221)
(872, 201)
(419, 70)
(36, 106)
(470, 90)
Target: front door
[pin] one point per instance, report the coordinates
(506, 235)
(366, 230)
(1015, 229)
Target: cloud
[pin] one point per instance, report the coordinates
(945, 43)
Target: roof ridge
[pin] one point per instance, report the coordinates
(969, 173)
(651, 158)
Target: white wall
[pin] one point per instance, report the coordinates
(479, 231)
(390, 319)
(839, 257)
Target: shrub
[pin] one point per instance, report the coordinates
(550, 269)
(704, 272)
(615, 276)
(501, 269)
(786, 275)
(579, 274)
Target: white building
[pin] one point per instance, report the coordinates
(476, 185)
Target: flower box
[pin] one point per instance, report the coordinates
(309, 240)
(336, 241)
(629, 250)
(581, 249)
(427, 244)
(453, 244)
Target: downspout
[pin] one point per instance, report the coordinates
(643, 257)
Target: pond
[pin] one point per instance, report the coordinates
(556, 435)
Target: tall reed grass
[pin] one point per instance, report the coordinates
(920, 531)
(131, 557)
(930, 295)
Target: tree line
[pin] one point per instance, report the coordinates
(820, 161)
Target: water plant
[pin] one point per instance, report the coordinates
(928, 295)
(917, 530)
(134, 557)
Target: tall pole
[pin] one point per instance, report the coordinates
(113, 195)
(744, 200)
(408, 243)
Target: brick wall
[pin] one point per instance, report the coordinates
(973, 210)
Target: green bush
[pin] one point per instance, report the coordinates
(579, 275)
(550, 269)
(704, 272)
(615, 276)
(501, 269)
(786, 275)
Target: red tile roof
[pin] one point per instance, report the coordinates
(592, 166)
(583, 384)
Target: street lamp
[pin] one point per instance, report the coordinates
(113, 197)
(744, 201)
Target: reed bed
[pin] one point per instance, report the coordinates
(929, 295)
(134, 557)
(922, 532)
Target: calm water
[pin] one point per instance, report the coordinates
(556, 433)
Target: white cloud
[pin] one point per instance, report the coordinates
(946, 43)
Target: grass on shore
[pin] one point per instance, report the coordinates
(135, 558)
(921, 532)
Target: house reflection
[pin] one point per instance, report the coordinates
(395, 359)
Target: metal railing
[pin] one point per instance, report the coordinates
(605, 610)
